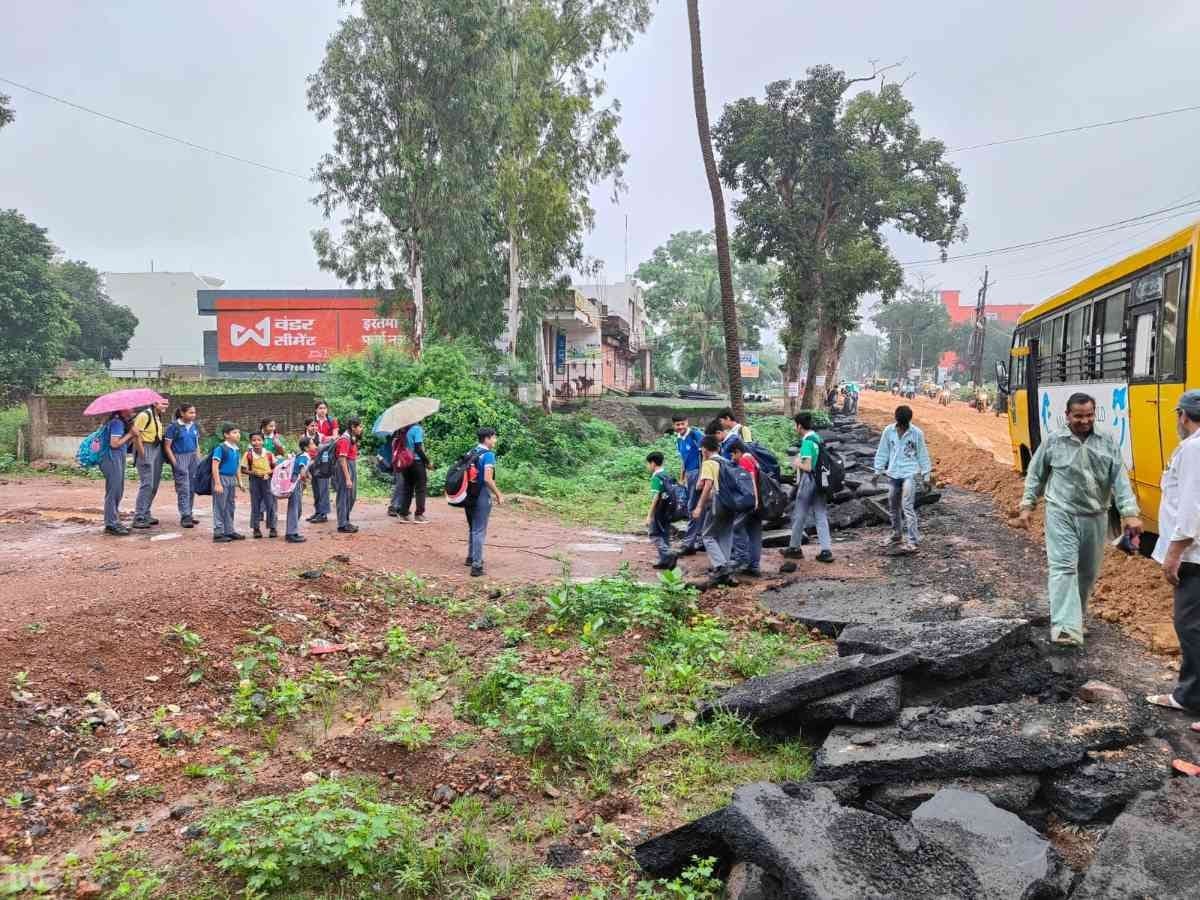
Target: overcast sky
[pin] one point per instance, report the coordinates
(232, 76)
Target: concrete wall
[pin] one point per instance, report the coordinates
(57, 424)
(170, 329)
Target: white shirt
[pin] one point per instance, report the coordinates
(1179, 510)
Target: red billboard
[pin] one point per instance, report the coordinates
(298, 332)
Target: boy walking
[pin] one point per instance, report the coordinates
(748, 524)
(296, 498)
(687, 443)
(718, 530)
(345, 474)
(810, 501)
(480, 509)
(658, 525)
(257, 466)
(902, 456)
(226, 480)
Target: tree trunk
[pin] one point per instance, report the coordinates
(821, 351)
(514, 293)
(794, 363)
(545, 375)
(835, 359)
(418, 284)
(728, 308)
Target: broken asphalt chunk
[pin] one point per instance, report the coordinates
(1015, 793)
(943, 649)
(975, 740)
(769, 696)
(1101, 786)
(876, 702)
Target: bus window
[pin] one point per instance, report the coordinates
(1016, 378)
(1143, 344)
(1076, 351)
(1112, 338)
(1056, 343)
(1169, 338)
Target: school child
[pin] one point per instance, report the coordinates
(120, 435)
(327, 430)
(272, 441)
(181, 444)
(148, 457)
(345, 474)
(657, 523)
(748, 524)
(227, 481)
(480, 510)
(299, 465)
(257, 466)
(687, 443)
(718, 531)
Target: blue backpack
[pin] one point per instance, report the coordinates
(202, 475)
(768, 462)
(735, 490)
(93, 448)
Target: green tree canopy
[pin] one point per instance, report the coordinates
(820, 176)
(103, 328)
(683, 299)
(35, 312)
(411, 88)
(917, 328)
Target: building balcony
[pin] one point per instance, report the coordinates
(572, 306)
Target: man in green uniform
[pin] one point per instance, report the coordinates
(1080, 471)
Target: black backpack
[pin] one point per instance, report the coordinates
(322, 465)
(830, 471)
(202, 482)
(773, 499)
(672, 500)
(463, 481)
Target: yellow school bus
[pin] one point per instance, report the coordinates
(1127, 336)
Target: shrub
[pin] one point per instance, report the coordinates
(613, 605)
(406, 730)
(329, 828)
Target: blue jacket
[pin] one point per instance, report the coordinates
(903, 456)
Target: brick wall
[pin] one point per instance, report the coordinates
(60, 417)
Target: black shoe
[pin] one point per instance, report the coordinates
(787, 568)
(272, 533)
(751, 573)
(116, 530)
(318, 519)
(689, 551)
(825, 556)
(467, 562)
(347, 529)
(403, 517)
(665, 564)
(151, 520)
(222, 539)
(237, 536)
(257, 533)
(186, 522)
(295, 539)
(476, 571)
(804, 540)
(392, 511)
(141, 523)
(792, 553)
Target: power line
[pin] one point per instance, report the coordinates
(1077, 128)
(1013, 248)
(155, 132)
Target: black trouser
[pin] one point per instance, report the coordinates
(1187, 627)
(414, 483)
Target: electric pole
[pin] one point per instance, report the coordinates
(978, 332)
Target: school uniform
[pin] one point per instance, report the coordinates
(688, 447)
(112, 464)
(412, 483)
(224, 504)
(296, 497)
(327, 429)
(479, 512)
(149, 463)
(749, 524)
(659, 530)
(185, 446)
(258, 468)
(718, 529)
(347, 491)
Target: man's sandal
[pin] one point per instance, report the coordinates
(1167, 701)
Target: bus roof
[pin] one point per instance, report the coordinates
(1115, 272)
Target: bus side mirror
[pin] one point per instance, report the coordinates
(1002, 376)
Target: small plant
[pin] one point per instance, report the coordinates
(397, 646)
(35, 628)
(101, 787)
(514, 635)
(363, 672)
(20, 685)
(696, 882)
(448, 658)
(125, 874)
(18, 878)
(423, 692)
(287, 698)
(15, 800)
(406, 730)
(190, 643)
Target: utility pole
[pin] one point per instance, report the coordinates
(979, 332)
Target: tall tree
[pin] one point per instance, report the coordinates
(103, 328)
(917, 328)
(6, 111)
(820, 174)
(683, 299)
(556, 142)
(409, 85)
(35, 312)
(728, 309)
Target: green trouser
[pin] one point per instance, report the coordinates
(1074, 551)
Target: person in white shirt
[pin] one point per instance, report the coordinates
(1178, 552)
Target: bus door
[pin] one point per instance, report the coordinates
(1032, 413)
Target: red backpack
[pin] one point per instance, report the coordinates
(402, 456)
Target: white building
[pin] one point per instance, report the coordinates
(170, 329)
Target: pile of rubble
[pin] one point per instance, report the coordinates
(944, 748)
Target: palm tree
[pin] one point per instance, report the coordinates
(728, 309)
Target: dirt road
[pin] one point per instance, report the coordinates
(971, 450)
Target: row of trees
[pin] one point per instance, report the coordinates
(467, 136)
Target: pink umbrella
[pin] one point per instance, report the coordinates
(130, 398)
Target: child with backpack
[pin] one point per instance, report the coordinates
(749, 524)
(181, 444)
(115, 439)
(810, 497)
(345, 473)
(226, 481)
(658, 517)
(483, 494)
(257, 466)
(299, 474)
(326, 428)
(718, 530)
(411, 468)
(272, 442)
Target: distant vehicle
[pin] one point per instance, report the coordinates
(879, 384)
